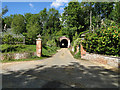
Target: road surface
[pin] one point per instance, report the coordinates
(59, 71)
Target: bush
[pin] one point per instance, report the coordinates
(51, 43)
(105, 41)
(78, 55)
(75, 48)
(8, 57)
(11, 48)
(9, 39)
(28, 41)
(48, 51)
(76, 42)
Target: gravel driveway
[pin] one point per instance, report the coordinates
(59, 71)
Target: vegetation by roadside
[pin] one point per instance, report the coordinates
(28, 59)
(5, 48)
(77, 55)
(104, 41)
(9, 50)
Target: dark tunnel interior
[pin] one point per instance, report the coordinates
(64, 43)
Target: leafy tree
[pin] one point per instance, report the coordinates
(103, 8)
(43, 19)
(115, 15)
(53, 21)
(34, 27)
(8, 20)
(99, 10)
(4, 10)
(27, 16)
(18, 24)
(73, 18)
(2, 23)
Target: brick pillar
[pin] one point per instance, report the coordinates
(39, 46)
(83, 52)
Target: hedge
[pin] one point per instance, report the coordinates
(104, 41)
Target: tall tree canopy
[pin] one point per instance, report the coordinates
(53, 21)
(43, 19)
(18, 24)
(73, 18)
(8, 20)
(34, 27)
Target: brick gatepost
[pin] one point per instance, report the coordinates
(39, 46)
(83, 52)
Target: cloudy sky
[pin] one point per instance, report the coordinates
(28, 6)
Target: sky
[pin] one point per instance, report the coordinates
(23, 7)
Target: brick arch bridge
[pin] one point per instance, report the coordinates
(64, 42)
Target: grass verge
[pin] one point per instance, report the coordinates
(28, 59)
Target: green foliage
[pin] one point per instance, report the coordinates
(77, 41)
(11, 48)
(75, 37)
(115, 14)
(78, 55)
(28, 40)
(50, 24)
(18, 24)
(75, 48)
(5, 48)
(8, 57)
(51, 42)
(4, 10)
(73, 18)
(9, 39)
(83, 32)
(33, 27)
(27, 16)
(53, 23)
(44, 18)
(8, 20)
(48, 51)
(28, 59)
(104, 41)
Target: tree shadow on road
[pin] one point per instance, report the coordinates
(72, 76)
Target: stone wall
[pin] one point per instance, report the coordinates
(24, 55)
(107, 60)
(102, 59)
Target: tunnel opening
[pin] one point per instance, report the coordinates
(64, 43)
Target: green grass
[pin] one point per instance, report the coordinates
(46, 51)
(28, 59)
(17, 48)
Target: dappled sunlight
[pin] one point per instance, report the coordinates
(65, 76)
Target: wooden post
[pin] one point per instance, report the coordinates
(39, 46)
